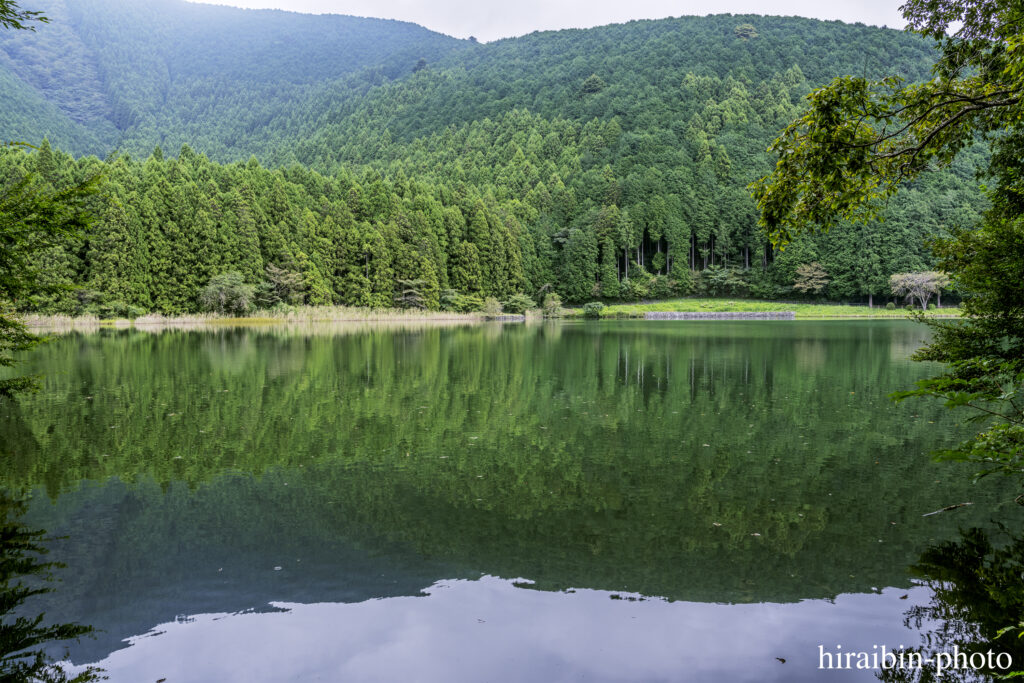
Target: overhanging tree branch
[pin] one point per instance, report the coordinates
(13, 17)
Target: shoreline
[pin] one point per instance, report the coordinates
(693, 310)
(321, 314)
(798, 316)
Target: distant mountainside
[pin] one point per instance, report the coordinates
(149, 69)
(128, 74)
(602, 163)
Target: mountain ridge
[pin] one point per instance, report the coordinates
(161, 87)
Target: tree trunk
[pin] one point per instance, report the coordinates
(871, 300)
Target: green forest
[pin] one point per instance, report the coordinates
(336, 160)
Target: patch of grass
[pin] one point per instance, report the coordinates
(802, 310)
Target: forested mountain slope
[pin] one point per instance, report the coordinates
(601, 163)
(161, 68)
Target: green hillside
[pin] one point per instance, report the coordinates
(162, 68)
(602, 163)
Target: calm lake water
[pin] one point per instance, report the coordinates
(628, 501)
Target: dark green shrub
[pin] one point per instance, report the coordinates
(660, 287)
(593, 309)
(468, 303)
(448, 300)
(890, 306)
(682, 279)
(519, 304)
(762, 286)
(552, 306)
(119, 309)
(721, 281)
(492, 307)
(633, 289)
(700, 283)
(227, 294)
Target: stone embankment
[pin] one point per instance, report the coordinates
(697, 315)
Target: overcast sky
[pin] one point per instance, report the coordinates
(490, 19)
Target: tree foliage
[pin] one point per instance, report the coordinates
(552, 306)
(918, 286)
(227, 294)
(12, 16)
(811, 278)
(976, 591)
(281, 286)
(745, 31)
(861, 139)
(985, 353)
(492, 307)
(23, 655)
(639, 173)
(35, 219)
(410, 294)
(519, 303)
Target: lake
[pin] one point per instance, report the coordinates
(613, 501)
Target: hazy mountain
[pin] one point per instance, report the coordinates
(128, 67)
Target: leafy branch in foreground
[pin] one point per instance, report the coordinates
(12, 16)
(984, 352)
(23, 656)
(994, 393)
(860, 139)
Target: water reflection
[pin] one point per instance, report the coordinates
(736, 471)
(977, 590)
(493, 629)
(26, 637)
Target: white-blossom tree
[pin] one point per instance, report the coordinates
(918, 286)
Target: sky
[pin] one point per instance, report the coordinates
(489, 20)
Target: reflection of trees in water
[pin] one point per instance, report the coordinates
(23, 574)
(977, 588)
(634, 455)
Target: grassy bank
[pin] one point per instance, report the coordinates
(324, 314)
(302, 314)
(802, 310)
